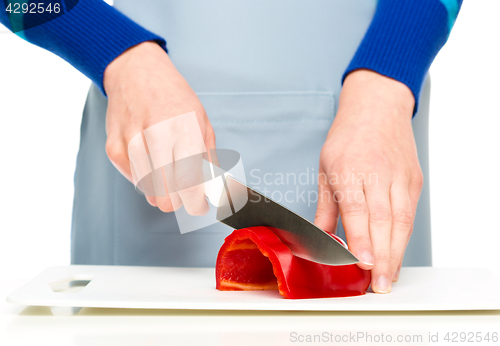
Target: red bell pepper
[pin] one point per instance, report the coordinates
(256, 259)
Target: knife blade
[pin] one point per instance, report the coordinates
(244, 207)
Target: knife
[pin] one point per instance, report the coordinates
(242, 207)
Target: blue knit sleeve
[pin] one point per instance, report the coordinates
(4, 19)
(89, 35)
(404, 38)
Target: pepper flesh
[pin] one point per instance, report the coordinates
(256, 259)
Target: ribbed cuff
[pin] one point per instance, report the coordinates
(402, 41)
(90, 36)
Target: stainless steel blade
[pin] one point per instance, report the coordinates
(304, 239)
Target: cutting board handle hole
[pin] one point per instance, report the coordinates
(70, 285)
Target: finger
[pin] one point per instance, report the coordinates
(171, 201)
(140, 167)
(413, 202)
(151, 200)
(379, 209)
(396, 275)
(146, 186)
(354, 214)
(116, 150)
(158, 192)
(138, 164)
(210, 145)
(189, 177)
(327, 212)
(402, 222)
(189, 183)
(415, 189)
(167, 198)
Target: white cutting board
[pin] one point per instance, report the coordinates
(419, 288)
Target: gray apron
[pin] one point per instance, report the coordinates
(268, 74)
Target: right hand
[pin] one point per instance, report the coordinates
(144, 88)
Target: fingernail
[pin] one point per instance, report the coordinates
(396, 276)
(383, 285)
(367, 259)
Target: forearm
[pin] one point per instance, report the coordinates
(404, 38)
(89, 36)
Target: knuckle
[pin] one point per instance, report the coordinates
(380, 214)
(324, 154)
(114, 150)
(410, 232)
(323, 213)
(394, 260)
(339, 164)
(189, 184)
(357, 239)
(417, 179)
(353, 208)
(403, 218)
(382, 258)
(182, 183)
(210, 132)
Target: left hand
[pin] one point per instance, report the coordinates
(370, 174)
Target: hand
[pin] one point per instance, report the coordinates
(370, 174)
(144, 88)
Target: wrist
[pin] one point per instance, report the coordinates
(371, 94)
(129, 60)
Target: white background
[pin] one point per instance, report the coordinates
(42, 98)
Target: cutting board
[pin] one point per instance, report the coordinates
(419, 288)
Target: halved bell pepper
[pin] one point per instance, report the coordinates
(256, 259)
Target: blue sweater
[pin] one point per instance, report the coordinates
(401, 42)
